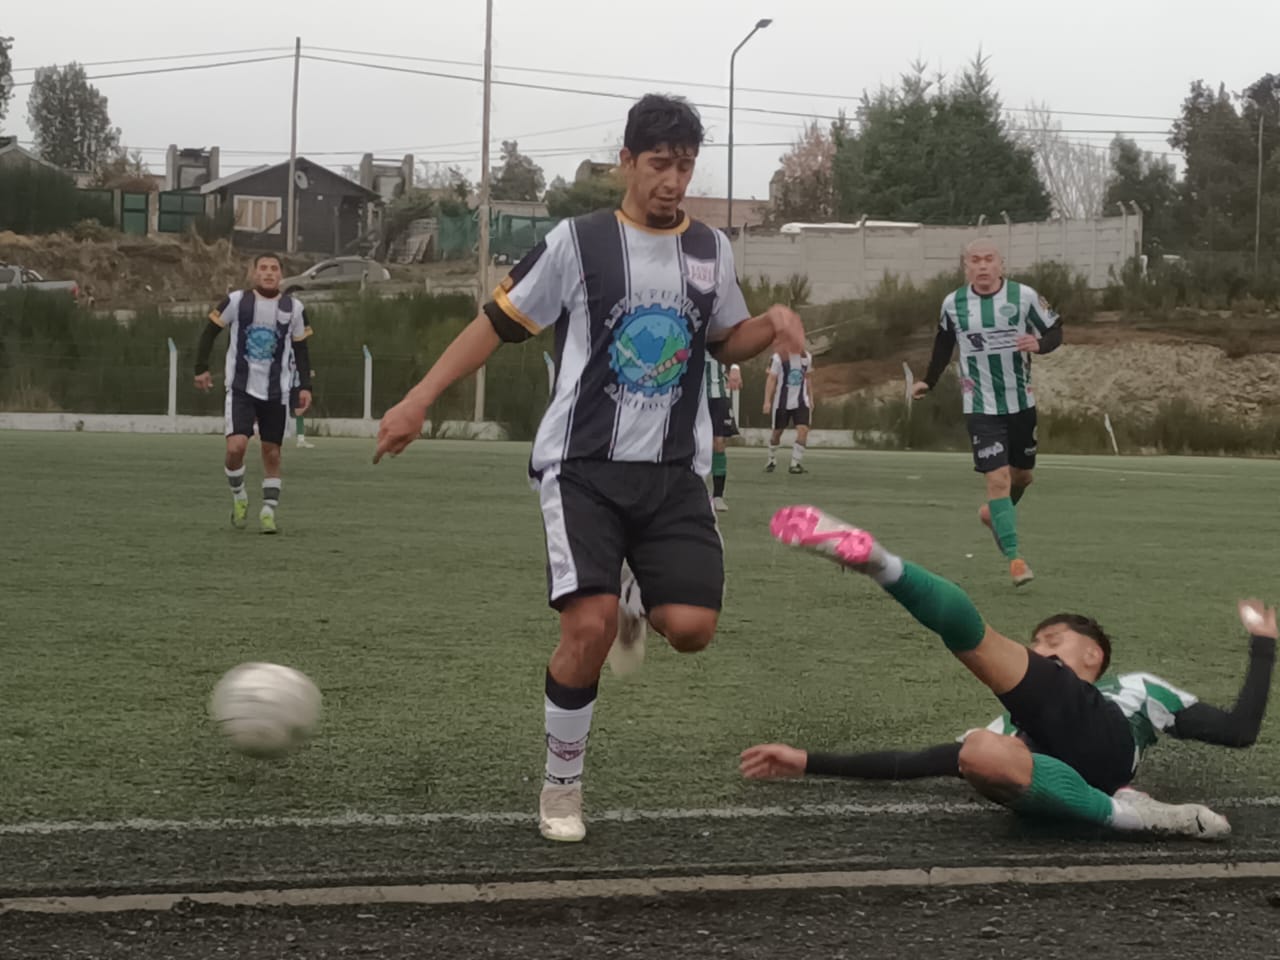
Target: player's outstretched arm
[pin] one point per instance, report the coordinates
(750, 338)
(1239, 726)
(775, 760)
(944, 344)
(402, 424)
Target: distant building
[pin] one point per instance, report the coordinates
(387, 178)
(189, 167)
(333, 213)
(13, 154)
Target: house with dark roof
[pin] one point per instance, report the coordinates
(332, 213)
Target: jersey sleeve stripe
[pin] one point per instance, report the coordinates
(513, 312)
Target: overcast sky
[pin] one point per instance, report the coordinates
(1091, 56)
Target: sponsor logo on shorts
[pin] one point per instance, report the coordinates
(1031, 450)
(986, 453)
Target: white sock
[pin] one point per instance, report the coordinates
(271, 493)
(567, 732)
(236, 479)
(1124, 817)
(885, 568)
(797, 452)
(773, 453)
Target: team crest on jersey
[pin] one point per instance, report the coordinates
(700, 274)
(260, 343)
(649, 355)
(1009, 312)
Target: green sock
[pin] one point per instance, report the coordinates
(301, 424)
(1004, 520)
(1058, 792)
(719, 464)
(939, 605)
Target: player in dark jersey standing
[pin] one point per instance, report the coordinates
(637, 296)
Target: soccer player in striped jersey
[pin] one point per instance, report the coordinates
(637, 297)
(999, 324)
(788, 399)
(1070, 741)
(718, 384)
(268, 341)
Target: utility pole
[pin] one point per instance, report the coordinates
(291, 232)
(760, 25)
(1257, 217)
(482, 284)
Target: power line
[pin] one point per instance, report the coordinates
(177, 56)
(555, 89)
(705, 85)
(193, 66)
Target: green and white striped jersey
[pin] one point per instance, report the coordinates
(995, 377)
(1149, 703)
(715, 379)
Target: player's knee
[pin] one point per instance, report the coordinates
(1022, 478)
(589, 624)
(999, 483)
(688, 630)
(990, 760)
(237, 444)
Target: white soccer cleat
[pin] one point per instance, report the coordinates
(560, 813)
(306, 444)
(627, 652)
(1180, 820)
(718, 504)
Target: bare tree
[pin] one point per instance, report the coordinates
(1075, 173)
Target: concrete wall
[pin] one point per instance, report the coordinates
(849, 264)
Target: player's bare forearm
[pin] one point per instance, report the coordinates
(753, 337)
(464, 356)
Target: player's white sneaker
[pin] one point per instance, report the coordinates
(306, 444)
(627, 652)
(1180, 820)
(718, 504)
(560, 813)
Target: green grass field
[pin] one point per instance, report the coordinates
(413, 593)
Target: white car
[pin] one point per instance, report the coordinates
(338, 272)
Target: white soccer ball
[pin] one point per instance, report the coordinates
(265, 709)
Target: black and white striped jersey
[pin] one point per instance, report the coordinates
(633, 310)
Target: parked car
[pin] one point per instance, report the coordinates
(15, 277)
(338, 272)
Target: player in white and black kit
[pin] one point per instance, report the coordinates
(788, 399)
(636, 297)
(268, 334)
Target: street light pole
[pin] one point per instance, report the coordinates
(760, 25)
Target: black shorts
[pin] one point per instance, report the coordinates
(243, 410)
(1003, 440)
(656, 516)
(799, 417)
(294, 400)
(722, 424)
(1062, 716)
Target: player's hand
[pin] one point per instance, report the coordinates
(764, 407)
(204, 381)
(735, 377)
(769, 760)
(1028, 343)
(1259, 620)
(788, 328)
(400, 426)
(919, 389)
(304, 403)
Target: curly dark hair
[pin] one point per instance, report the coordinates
(1086, 627)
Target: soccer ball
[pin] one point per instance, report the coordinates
(264, 709)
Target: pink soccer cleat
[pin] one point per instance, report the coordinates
(811, 529)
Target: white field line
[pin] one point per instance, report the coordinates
(500, 818)
(455, 893)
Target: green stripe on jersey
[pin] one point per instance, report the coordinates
(995, 362)
(976, 394)
(988, 312)
(715, 378)
(1163, 696)
(1020, 369)
(962, 308)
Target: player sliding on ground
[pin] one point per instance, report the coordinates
(1069, 744)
